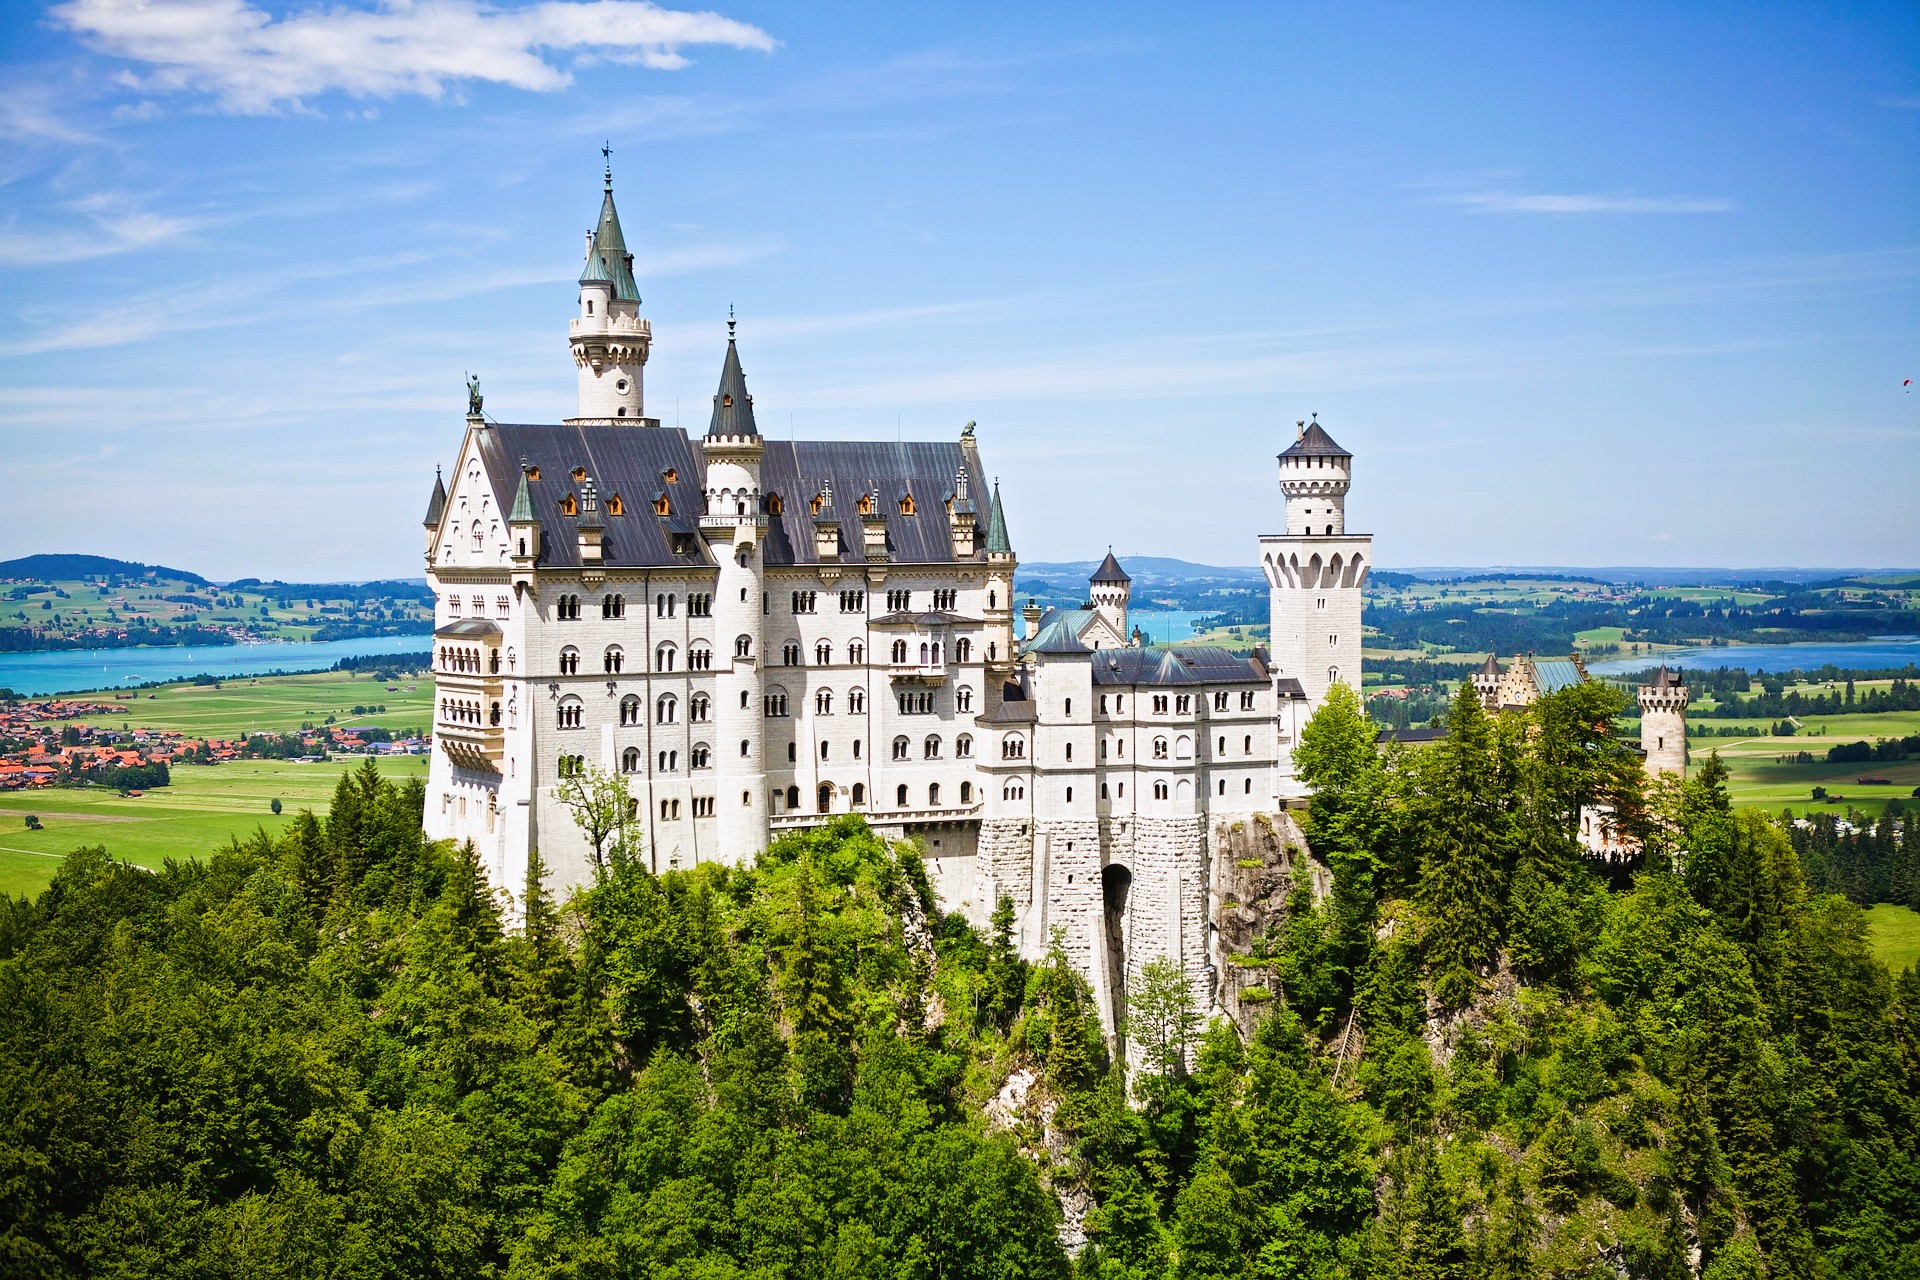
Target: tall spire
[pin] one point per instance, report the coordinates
(732, 406)
(522, 512)
(436, 505)
(997, 541)
(610, 246)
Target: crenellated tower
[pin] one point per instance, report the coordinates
(1316, 574)
(610, 339)
(735, 529)
(1663, 723)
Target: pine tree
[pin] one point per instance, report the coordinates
(1465, 840)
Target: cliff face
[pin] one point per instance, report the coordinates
(1251, 875)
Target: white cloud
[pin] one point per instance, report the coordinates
(1509, 202)
(252, 63)
(32, 113)
(114, 228)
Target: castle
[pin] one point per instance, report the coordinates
(760, 635)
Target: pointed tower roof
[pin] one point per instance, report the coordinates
(595, 271)
(1314, 442)
(437, 504)
(522, 512)
(997, 541)
(610, 249)
(1109, 571)
(732, 406)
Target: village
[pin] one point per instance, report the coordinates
(50, 743)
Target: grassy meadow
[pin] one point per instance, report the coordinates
(274, 704)
(203, 807)
(1895, 933)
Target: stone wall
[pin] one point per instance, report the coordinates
(1252, 868)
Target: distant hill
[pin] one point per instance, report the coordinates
(69, 568)
(1147, 569)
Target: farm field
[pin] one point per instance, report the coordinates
(1757, 778)
(1895, 934)
(274, 704)
(205, 805)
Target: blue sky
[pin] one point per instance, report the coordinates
(1607, 284)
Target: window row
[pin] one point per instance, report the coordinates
(502, 606)
(930, 747)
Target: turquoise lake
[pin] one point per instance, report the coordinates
(77, 670)
(1876, 654)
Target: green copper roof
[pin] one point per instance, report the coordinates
(732, 406)
(522, 503)
(595, 270)
(436, 505)
(997, 541)
(610, 247)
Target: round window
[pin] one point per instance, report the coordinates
(620, 386)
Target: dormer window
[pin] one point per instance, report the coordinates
(670, 475)
(866, 504)
(662, 506)
(533, 473)
(774, 505)
(568, 507)
(819, 501)
(615, 507)
(906, 504)
(579, 474)
(726, 402)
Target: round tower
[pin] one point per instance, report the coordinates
(735, 532)
(1314, 477)
(1663, 723)
(610, 340)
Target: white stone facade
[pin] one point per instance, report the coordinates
(758, 636)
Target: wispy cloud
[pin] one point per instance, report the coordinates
(31, 112)
(251, 63)
(112, 225)
(1512, 202)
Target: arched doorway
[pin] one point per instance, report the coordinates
(826, 797)
(1116, 884)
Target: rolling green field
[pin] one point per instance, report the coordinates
(1895, 932)
(205, 805)
(1758, 779)
(274, 704)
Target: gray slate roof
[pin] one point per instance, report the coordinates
(468, 629)
(1666, 678)
(732, 406)
(997, 541)
(1185, 665)
(1314, 442)
(437, 504)
(632, 462)
(1110, 570)
(610, 247)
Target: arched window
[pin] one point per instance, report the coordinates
(859, 794)
(614, 659)
(900, 796)
(790, 653)
(823, 702)
(629, 710)
(701, 757)
(1249, 744)
(1183, 747)
(900, 748)
(923, 653)
(743, 646)
(1160, 791)
(931, 747)
(665, 708)
(933, 795)
(1069, 795)
(1333, 675)
(569, 661)
(966, 793)
(963, 650)
(630, 760)
(1014, 790)
(823, 799)
(793, 798)
(700, 657)
(963, 747)
(899, 652)
(856, 700)
(613, 606)
(663, 656)
(698, 708)
(963, 699)
(1159, 748)
(1013, 747)
(823, 654)
(571, 712)
(746, 748)
(774, 702)
(856, 652)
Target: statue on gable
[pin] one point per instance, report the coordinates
(966, 432)
(474, 399)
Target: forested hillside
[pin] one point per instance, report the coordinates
(324, 1056)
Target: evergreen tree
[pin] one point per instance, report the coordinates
(1465, 839)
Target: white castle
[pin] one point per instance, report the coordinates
(762, 635)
